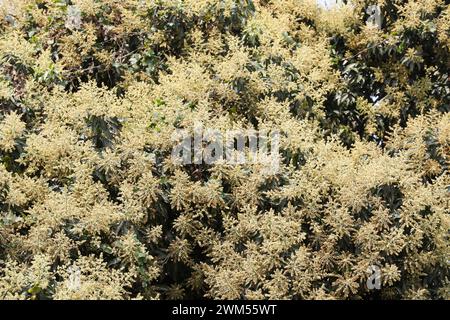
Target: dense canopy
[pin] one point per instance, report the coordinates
(91, 92)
